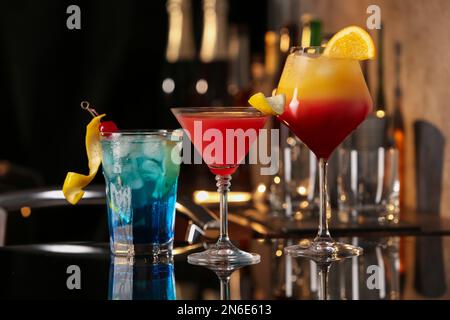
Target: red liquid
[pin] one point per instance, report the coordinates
(323, 125)
(218, 163)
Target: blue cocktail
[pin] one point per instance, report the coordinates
(141, 172)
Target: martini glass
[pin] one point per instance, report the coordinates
(223, 136)
(326, 99)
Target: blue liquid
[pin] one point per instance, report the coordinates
(151, 223)
(155, 284)
(141, 186)
(141, 281)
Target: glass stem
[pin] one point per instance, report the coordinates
(323, 281)
(324, 233)
(223, 187)
(224, 288)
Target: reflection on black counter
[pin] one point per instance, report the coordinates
(373, 275)
(224, 273)
(40, 271)
(141, 278)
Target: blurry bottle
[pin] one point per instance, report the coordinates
(211, 85)
(179, 70)
(373, 132)
(397, 123)
(397, 132)
(239, 87)
(180, 43)
(380, 102)
(272, 59)
(311, 31)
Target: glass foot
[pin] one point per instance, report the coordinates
(323, 250)
(223, 254)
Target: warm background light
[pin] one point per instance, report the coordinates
(205, 197)
(380, 114)
(301, 190)
(261, 188)
(25, 212)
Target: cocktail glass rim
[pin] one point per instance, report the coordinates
(172, 135)
(245, 110)
(315, 52)
(301, 49)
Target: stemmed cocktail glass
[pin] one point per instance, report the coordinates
(326, 99)
(217, 127)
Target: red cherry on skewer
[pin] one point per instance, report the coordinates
(106, 127)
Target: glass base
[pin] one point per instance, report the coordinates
(127, 249)
(223, 253)
(323, 250)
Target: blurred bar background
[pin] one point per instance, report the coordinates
(134, 60)
(128, 64)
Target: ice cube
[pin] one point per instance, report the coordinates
(153, 148)
(130, 174)
(136, 183)
(150, 169)
(124, 147)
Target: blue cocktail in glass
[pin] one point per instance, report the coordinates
(141, 173)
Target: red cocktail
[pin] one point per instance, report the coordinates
(242, 132)
(223, 136)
